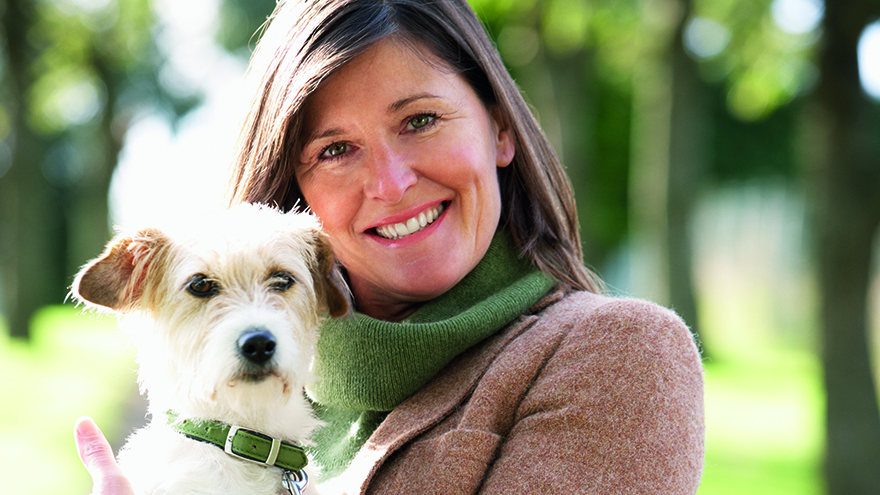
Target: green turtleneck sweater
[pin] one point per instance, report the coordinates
(367, 366)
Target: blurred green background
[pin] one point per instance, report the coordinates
(725, 156)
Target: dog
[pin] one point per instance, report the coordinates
(224, 315)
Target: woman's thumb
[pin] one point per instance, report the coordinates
(97, 456)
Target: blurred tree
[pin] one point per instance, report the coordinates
(75, 74)
(671, 122)
(691, 126)
(845, 182)
(29, 222)
(767, 64)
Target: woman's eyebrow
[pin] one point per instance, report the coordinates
(397, 105)
(326, 134)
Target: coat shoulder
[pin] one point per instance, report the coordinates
(624, 351)
(622, 391)
(619, 325)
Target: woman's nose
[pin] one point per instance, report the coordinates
(390, 175)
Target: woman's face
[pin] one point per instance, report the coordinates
(400, 164)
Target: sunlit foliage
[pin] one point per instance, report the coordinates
(81, 44)
(768, 53)
(763, 50)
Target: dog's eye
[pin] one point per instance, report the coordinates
(201, 286)
(281, 281)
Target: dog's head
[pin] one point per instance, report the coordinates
(233, 305)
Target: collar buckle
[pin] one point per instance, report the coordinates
(294, 481)
(236, 452)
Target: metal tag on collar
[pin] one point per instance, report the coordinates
(294, 481)
(273, 451)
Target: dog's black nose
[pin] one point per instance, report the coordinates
(257, 346)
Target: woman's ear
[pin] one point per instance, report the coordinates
(505, 139)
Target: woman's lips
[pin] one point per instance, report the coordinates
(411, 225)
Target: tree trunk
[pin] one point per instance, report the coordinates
(688, 158)
(846, 185)
(649, 166)
(31, 258)
(668, 157)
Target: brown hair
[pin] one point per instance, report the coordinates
(307, 40)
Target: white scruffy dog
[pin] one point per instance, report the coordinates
(224, 316)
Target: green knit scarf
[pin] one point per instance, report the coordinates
(367, 366)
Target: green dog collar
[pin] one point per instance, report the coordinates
(240, 442)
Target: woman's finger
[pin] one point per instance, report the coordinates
(97, 456)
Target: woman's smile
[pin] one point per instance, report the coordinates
(412, 225)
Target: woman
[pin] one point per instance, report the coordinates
(481, 357)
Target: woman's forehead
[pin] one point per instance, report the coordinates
(387, 77)
(396, 55)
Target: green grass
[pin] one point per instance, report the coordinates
(74, 365)
(764, 426)
(763, 412)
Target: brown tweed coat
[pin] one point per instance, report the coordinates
(584, 394)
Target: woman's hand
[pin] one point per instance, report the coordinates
(97, 456)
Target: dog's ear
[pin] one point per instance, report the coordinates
(329, 285)
(115, 280)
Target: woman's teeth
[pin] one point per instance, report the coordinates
(411, 226)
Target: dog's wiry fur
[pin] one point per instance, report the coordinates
(188, 356)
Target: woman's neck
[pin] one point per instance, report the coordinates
(380, 304)
(385, 311)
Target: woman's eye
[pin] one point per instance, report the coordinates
(281, 281)
(201, 286)
(335, 150)
(420, 121)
